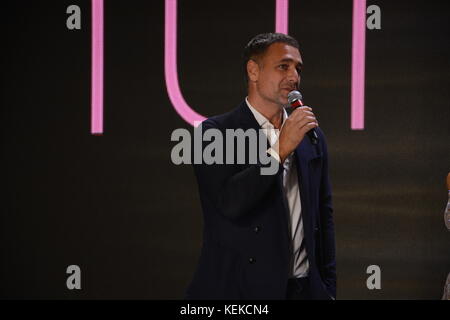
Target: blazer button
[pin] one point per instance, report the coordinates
(257, 229)
(252, 260)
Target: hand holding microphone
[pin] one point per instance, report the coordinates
(301, 121)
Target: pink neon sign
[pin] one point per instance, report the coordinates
(282, 16)
(170, 56)
(170, 66)
(97, 68)
(358, 64)
(171, 70)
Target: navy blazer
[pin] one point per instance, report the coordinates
(246, 251)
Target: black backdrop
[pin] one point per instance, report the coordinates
(115, 204)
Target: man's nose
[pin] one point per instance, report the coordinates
(293, 76)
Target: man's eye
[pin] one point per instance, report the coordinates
(283, 66)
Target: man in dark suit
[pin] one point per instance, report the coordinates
(267, 236)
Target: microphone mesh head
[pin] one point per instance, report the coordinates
(294, 95)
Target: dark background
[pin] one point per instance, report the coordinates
(115, 204)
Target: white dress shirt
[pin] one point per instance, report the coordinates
(291, 191)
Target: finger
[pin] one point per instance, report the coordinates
(308, 126)
(301, 114)
(306, 120)
(307, 112)
(305, 108)
(300, 109)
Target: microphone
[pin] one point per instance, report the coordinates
(295, 100)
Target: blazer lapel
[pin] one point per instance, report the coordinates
(246, 118)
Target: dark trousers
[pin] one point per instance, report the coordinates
(298, 289)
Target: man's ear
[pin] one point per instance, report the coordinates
(252, 70)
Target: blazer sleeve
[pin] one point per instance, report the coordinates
(232, 190)
(327, 223)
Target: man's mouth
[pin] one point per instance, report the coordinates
(289, 88)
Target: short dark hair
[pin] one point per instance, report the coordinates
(259, 44)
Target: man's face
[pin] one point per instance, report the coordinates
(278, 72)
